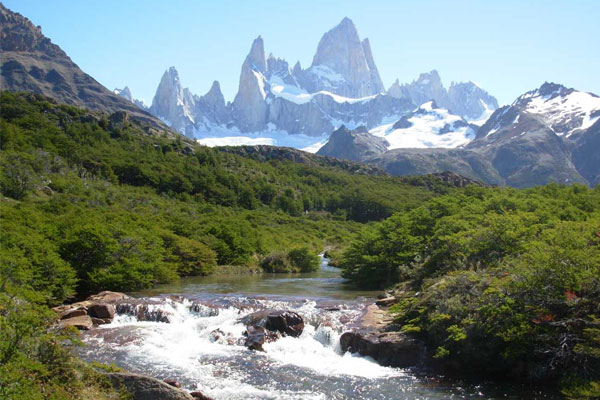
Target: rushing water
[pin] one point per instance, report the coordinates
(202, 346)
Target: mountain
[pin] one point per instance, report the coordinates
(465, 99)
(427, 126)
(343, 64)
(550, 134)
(31, 62)
(532, 141)
(275, 101)
(126, 94)
(466, 163)
(355, 145)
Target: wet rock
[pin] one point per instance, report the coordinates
(203, 310)
(172, 382)
(219, 336)
(199, 395)
(255, 337)
(142, 387)
(145, 312)
(394, 349)
(102, 311)
(71, 313)
(258, 318)
(100, 321)
(82, 322)
(285, 322)
(386, 302)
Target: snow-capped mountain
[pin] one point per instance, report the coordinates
(343, 65)
(466, 99)
(541, 134)
(551, 134)
(427, 126)
(276, 104)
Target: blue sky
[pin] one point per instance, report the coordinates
(508, 47)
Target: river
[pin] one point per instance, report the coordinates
(201, 347)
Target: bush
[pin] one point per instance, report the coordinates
(303, 260)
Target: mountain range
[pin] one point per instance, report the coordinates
(341, 86)
(340, 107)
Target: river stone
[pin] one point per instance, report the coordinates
(392, 349)
(102, 311)
(100, 321)
(143, 387)
(285, 322)
(255, 337)
(78, 312)
(82, 322)
(199, 395)
(107, 297)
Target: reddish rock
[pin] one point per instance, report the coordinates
(102, 311)
(199, 395)
(107, 297)
(82, 322)
(78, 312)
(172, 382)
(286, 322)
(100, 321)
(255, 337)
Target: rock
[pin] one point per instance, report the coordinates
(100, 321)
(102, 311)
(344, 65)
(250, 105)
(108, 297)
(386, 302)
(199, 395)
(255, 337)
(30, 62)
(82, 322)
(145, 312)
(172, 382)
(78, 312)
(354, 145)
(143, 387)
(285, 322)
(394, 349)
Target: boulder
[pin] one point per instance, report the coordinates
(393, 349)
(386, 302)
(286, 322)
(102, 311)
(143, 387)
(82, 322)
(71, 313)
(108, 297)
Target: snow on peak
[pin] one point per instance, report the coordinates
(428, 126)
(565, 110)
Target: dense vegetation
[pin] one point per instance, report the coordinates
(91, 202)
(496, 281)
